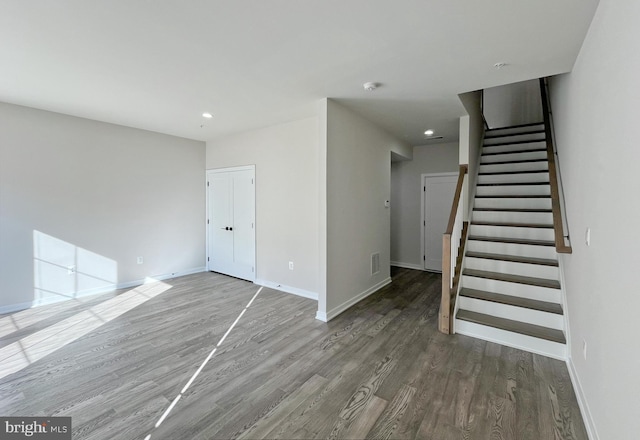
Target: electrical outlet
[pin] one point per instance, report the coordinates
(140, 260)
(290, 265)
(584, 349)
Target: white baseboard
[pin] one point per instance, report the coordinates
(406, 265)
(582, 401)
(328, 316)
(287, 289)
(11, 308)
(161, 277)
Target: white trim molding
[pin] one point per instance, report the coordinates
(406, 265)
(287, 289)
(11, 308)
(328, 316)
(582, 401)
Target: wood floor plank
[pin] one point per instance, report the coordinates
(379, 370)
(388, 422)
(363, 424)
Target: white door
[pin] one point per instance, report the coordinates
(438, 192)
(231, 222)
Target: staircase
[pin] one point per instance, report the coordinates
(510, 286)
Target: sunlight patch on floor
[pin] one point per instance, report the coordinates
(20, 354)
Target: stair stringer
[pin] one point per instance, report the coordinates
(470, 205)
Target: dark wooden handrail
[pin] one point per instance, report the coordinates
(561, 247)
(444, 322)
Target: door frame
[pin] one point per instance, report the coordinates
(211, 172)
(423, 184)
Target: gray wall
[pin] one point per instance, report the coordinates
(471, 138)
(82, 194)
(406, 197)
(513, 104)
(286, 157)
(596, 115)
(358, 181)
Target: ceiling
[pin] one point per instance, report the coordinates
(159, 64)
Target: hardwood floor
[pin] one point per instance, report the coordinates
(379, 370)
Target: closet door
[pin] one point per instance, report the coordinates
(231, 222)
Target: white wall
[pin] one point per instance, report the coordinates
(77, 192)
(595, 110)
(406, 196)
(471, 138)
(513, 104)
(358, 224)
(287, 159)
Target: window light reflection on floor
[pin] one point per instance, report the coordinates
(20, 354)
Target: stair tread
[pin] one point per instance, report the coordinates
(497, 173)
(513, 224)
(512, 183)
(502, 144)
(530, 124)
(513, 209)
(524, 133)
(504, 162)
(536, 331)
(513, 240)
(532, 150)
(513, 258)
(516, 301)
(510, 278)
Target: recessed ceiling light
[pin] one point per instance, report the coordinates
(207, 115)
(429, 132)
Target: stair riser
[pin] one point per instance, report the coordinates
(488, 141)
(515, 217)
(513, 289)
(516, 340)
(510, 232)
(536, 317)
(512, 147)
(506, 167)
(519, 250)
(506, 190)
(511, 130)
(514, 178)
(497, 203)
(509, 267)
(514, 157)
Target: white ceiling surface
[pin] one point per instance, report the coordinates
(159, 64)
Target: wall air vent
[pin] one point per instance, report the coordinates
(375, 263)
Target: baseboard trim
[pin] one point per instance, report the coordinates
(12, 308)
(161, 277)
(328, 316)
(406, 265)
(582, 401)
(287, 289)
